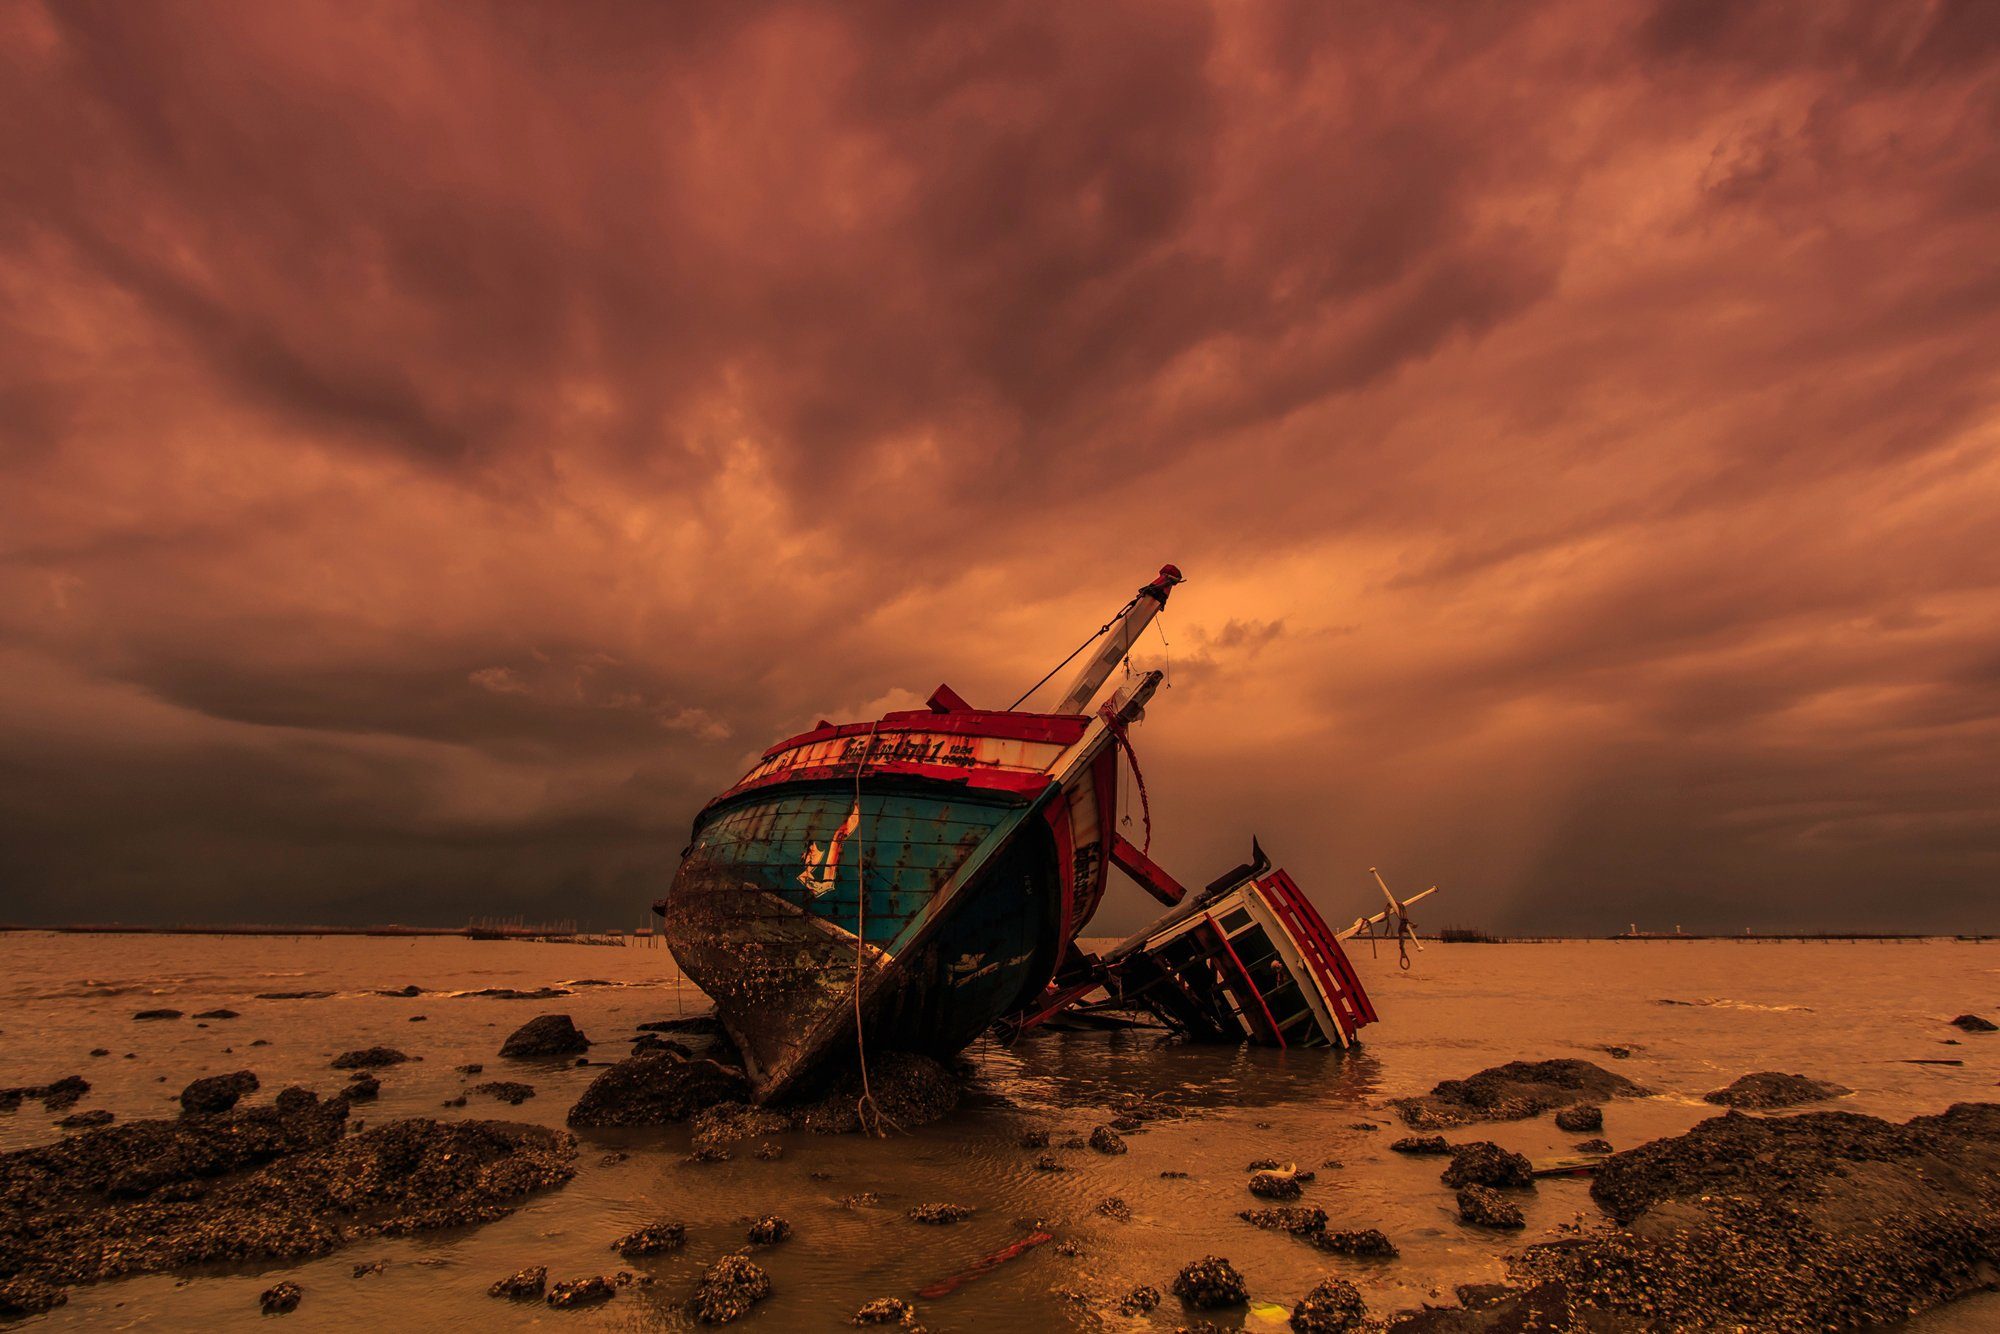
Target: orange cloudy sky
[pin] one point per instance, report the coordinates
(442, 442)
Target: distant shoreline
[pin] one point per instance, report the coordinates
(578, 936)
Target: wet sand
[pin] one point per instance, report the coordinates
(1848, 1013)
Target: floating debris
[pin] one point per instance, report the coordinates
(944, 1287)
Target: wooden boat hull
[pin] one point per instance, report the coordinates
(935, 865)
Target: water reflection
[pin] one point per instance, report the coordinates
(1051, 1070)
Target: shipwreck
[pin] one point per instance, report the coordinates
(908, 882)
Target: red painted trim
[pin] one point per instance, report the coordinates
(1248, 980)
(1150, 876)
(1008, 782)
(1064, 834)
(1060, 729)
(1350, 1000)
(946, 700)
(1103, 791)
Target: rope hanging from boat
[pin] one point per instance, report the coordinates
(1138, 781)
(1073, 652)
(866, 1111)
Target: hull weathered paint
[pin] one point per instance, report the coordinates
(937, 862)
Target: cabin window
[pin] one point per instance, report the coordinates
(1235, 921)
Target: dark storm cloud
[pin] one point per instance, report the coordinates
(444, 444)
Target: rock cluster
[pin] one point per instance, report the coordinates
(939, 1213)
(1364, 1243)
(581, 1292)
(275, 1182)
(658, 1088)
(509, 1091)
(216, 1093)
(1297, 1219)
(1514, 1092)
(1421, 1144)
(728, 1289)
(58, 1095)
(1106, 1140)
(1333, 1307)
(1582, 1119)
(1485, 1207)
(545, 1035)
(1768, 1089)
(1140, 1300)
(769, 1231)
(885, 1311)
(280, 1300)
(370, 1058)
(652, 1239)
(1823, 1220)
(1210, 1282)
(1484, 1163)
(522, 1285)
(1276, 1185)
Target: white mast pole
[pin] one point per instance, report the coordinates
(1117, 642)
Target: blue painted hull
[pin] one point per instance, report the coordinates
(954, 891)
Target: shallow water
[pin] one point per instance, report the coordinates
(1849, 1012)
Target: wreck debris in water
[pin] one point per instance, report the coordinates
(902, 884)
